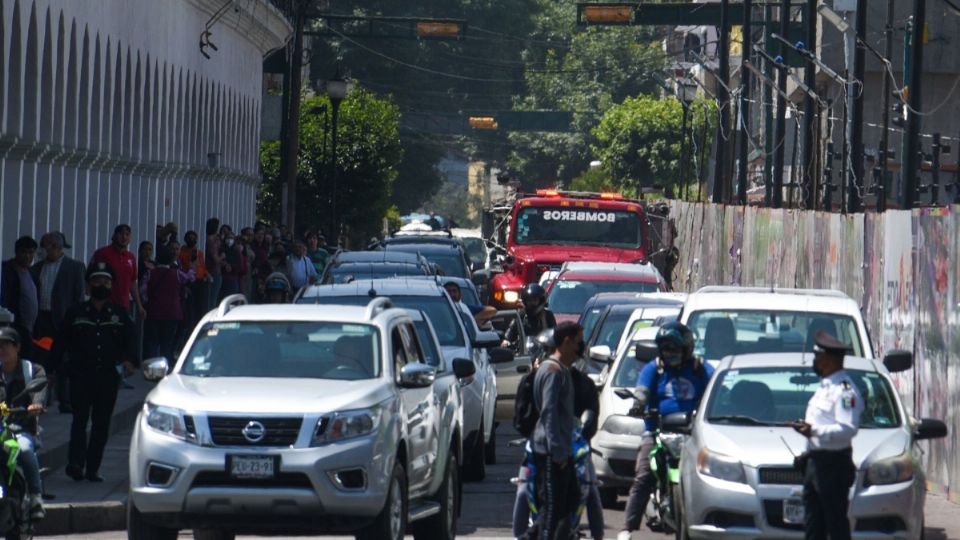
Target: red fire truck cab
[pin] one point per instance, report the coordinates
(552, 227)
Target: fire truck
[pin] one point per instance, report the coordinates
(536, 233)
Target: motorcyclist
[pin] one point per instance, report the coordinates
(535, 316)
(276, 289)
(14, 374)
(675, 382)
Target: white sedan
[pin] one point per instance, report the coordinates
(737, 476)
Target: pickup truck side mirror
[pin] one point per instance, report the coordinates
(416, 375)
(155, 369)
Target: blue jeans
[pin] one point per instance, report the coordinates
(28, 460)
(521, 508)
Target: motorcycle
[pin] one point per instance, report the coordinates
(662, 513)
(15, 520)
(528, 475)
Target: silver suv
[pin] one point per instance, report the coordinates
(299, 419)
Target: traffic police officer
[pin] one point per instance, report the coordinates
(98, 338)
(832, 420)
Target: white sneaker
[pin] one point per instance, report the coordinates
(624, 535)
(37, 511)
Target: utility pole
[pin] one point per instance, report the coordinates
(292, 135)
(854, 171)
(744, 136)
(884, 155)
(913, 120)
(780, 138)
(808, 190)
(767, 104)
(720, 168)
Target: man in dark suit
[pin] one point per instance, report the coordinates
(19, 292)
(60, 285)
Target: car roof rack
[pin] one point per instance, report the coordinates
(826, 293)
(230, 302)
(377, 306)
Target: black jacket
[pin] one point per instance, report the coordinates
(10, 295)
(532, 326)
(97, 341)
(13, 384)
(69, 286)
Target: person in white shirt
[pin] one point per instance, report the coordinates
(300, 268)
(832, 420)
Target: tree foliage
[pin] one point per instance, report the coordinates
(367, 159)
(639, 141)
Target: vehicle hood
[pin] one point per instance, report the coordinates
(450, 353)
(559, 254)
(267, 396)
(759, 446)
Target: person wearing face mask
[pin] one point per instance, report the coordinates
(98, 335)
(831, 421)
(675, 382)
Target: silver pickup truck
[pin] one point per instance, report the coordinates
(299, 419)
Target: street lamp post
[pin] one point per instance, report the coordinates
(336, 91)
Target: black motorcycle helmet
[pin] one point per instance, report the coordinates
(675, 343)
(534, 298)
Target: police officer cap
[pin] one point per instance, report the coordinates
(99, 269)
(9, 334)
(826, 343)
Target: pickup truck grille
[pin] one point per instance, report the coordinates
(229, 430)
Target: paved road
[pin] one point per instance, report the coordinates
(488, 506)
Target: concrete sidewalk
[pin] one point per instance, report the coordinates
(86, 506)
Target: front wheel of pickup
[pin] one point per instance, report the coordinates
(139, 529)
(391, 523)
(443, 526)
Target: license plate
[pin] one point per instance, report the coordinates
(252, 466)
(793, 511)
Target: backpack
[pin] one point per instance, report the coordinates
(525, 412)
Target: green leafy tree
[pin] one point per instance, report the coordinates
(368, 156)
(639, 142)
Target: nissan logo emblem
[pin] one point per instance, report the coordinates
(254, 431)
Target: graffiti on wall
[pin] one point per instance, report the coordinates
(901, 266)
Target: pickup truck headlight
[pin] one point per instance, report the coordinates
(619, 424)
(720, 466)
(168, 420)
(511, 297)
(890, 471)
(346, 425)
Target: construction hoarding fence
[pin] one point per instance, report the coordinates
(901, 266)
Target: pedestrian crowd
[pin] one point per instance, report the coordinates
(86, 326)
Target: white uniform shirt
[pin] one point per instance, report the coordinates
(834, 413)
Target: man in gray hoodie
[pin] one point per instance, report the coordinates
(553, 437)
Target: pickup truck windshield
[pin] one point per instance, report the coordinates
(577, 226)
(285, 349)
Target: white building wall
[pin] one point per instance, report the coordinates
(108, 111)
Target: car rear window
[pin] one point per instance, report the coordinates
(285, 349)
(438, 308)
(570, 296)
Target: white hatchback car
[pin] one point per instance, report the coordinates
(737, 478)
